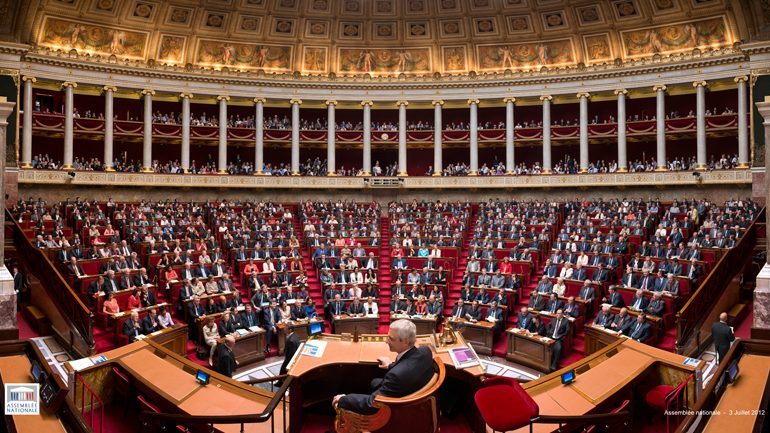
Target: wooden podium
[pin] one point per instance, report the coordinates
(345, 324)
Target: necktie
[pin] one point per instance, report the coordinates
(77, 271)
(636, 331)
(604, 319)
(644, 284)
(556, 328)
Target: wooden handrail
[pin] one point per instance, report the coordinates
(426, 391)
(261, 417)
(691, 315)
(584, 419)
(66, 300)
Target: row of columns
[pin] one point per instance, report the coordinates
(583, 98)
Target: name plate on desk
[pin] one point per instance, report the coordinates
(314, 348)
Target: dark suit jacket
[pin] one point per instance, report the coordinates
(561, 331)
(292, 344)
(643, 333)
(523, 320)
(457, 307)
(723, 335)
(478, 314)
(356, 309)
(407, 375)
(225, 360)
(128, 330)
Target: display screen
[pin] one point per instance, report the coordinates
(316, 328)
(36, 371)
(203, 377)
(568, 376)
(732, 372)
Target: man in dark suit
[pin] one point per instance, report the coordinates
(226, 362)
(474, 313)
(621, 321)
(459, 309)
(604, 318)
(150, 322)
(271, 317)
(639, 330)
(132, 327)
(656, 307)
(249, 318)
(554, 304)
(412, 369)
(536, 301)
(614, 298)
(292, 344)
(723, 336)
(557, 329)
(639, 302)
(356, 308)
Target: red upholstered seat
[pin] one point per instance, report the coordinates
(656, 397)
(504, 404)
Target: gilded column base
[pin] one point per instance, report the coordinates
(365, 174)
(436, 174)
(701, 167)
(147, 170)
(108, 168)
(331, 173)
(623, 170)
(26, 165)
(661, 168)
(547, 171)
(403, 174)
(509, 173)
(473, 173)
(583, 170)
(222, 172)
(295, 173)
(743, 165)
(259, 173)
(67, 167)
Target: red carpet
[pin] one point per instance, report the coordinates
(25, 330)
(743, 330)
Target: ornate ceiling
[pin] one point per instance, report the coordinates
(384, 37)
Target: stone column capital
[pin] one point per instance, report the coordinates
(741, 78)
(297, 101)
(402, 102)
(258, 100)
(546, 98)
(367, 102)
(473, 101)
(700, 83)
(583, 95)
(621, 92)
(69, 84)
(223, 98)
(437, 102)
(659, 88)
(330, 102)
(28, 78)
(185, 96)
(112, 89)
(148, 92)
(509, 99)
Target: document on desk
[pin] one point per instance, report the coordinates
(314, 348)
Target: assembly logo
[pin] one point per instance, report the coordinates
(22, 399)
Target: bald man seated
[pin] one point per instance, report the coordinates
(411, 370)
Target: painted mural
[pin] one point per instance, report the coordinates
(65, 34)
(455, 59)
(384, 61)
(314, 60)
(171, 49)
(673, 38)
(499, 57)
(598, 48)
(251, 56)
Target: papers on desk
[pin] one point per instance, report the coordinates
(79, 364)
(102, 358)
(254, 328)
(546, 339)
(464, 357)
(691, 362)
(241, 332)
(314, 348)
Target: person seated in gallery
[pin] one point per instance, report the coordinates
(411, 370)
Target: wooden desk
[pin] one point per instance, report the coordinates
(479, 334)
(173, 338)
(301, 328)
(529, 349)
(424, 324)
(16, 369)
(250, 347)
(738, 405)
(345, 324)
(598, 337)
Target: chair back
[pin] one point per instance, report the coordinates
(415, 412)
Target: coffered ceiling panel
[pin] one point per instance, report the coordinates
(385, 37)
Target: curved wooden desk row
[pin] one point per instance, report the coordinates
(15, 365)
(624, 370)
(168, 381)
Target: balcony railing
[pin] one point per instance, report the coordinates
(55, 122)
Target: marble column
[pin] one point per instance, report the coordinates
(259, 125)
(743, 124)
(474, 138)
(26, 138)
(367, 138)
(147, 143)
(700, 124)
(402, 138)
(222, 148)
(331, 138)
(185, 97)
(438, 130)
(546, 133)
(8, 328)
(660, 129)
(509, 135)
(69, 136)
(622, 144)
(109, 120)
(583, 98)
(295, 103)
(762, 289)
